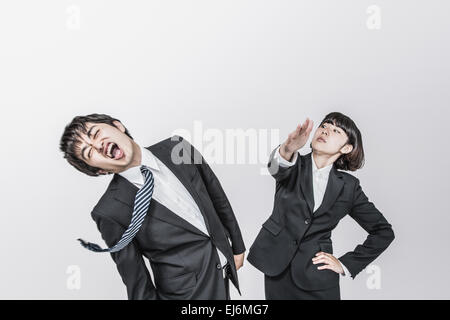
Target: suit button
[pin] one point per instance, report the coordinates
(306, 221)
(219, 266)
(295, 242)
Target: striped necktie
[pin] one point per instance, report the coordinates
(141, 204)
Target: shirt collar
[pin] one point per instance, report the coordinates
(322, 171)
(149, 159)
(134, 174)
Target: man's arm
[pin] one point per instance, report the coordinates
(380, 232)
(129, 261)
(218, 197)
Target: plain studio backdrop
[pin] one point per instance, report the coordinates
(218, 67)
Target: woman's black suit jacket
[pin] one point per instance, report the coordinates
(293, 234)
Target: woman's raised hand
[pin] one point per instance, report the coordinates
(296, 139)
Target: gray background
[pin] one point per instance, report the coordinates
(161, 65)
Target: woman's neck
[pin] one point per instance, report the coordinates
(322, 159)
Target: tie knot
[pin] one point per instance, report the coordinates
(146, 172)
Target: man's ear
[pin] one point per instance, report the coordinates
(119, 125)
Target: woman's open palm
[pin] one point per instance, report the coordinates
(298, 138)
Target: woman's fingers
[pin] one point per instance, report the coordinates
(322, 257)
(328, 260)
(327, 266)
(304, 126)
(307, 127)
(310, 126)
(297, 138)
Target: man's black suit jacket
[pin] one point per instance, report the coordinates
(294, 234)
(183, 259)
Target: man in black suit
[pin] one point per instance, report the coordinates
(189, 224)
(294, 247)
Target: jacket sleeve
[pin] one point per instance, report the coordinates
(280, 168)
(129, 260)
(219, 199)
(380, 232)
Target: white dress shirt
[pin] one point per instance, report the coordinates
(170, 192)
(320, 181)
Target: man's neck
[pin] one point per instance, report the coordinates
(137, 156)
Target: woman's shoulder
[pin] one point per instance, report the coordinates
(348, 176)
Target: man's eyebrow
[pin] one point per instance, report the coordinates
(89, 132)
(89, 135)
(82, 152)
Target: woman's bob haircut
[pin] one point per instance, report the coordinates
(355, 159)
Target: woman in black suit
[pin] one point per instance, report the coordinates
(294, 248)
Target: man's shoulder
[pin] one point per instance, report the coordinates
(106, 206)
(178, 145)
(171, 142)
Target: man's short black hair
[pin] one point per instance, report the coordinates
(72, 135)
(355, 159)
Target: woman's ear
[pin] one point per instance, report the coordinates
(347, 148)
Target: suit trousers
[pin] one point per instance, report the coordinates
(282, 287)
(227, 280)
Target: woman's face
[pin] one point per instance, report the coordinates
(106, 147)
(331, 140)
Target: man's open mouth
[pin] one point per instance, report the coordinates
(113, 151)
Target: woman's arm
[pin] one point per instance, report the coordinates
(380, 232)
(284, 157)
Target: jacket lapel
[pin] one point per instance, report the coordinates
(334, 187)
(164, 155)
(332, 191)
(306, 183)
(125, 192)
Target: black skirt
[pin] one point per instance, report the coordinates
(282, 287)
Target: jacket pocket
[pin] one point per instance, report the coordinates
(326, 246)
(178, 284)
(272, 226)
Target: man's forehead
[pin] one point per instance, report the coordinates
(89, 125)
(79, 145)
(83, 136)
(84, 133)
